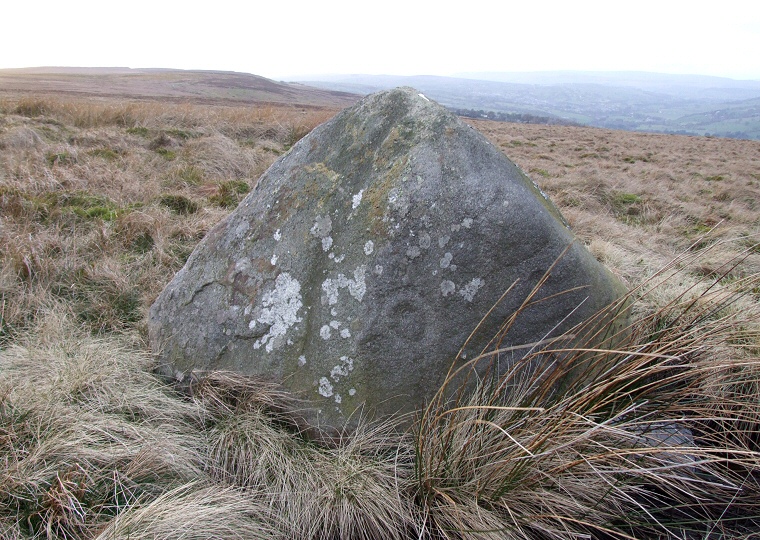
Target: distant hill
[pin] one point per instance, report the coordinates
(636, 101)
(210, 86)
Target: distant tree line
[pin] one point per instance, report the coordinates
(518, 118)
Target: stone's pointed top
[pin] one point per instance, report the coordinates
(366, 255)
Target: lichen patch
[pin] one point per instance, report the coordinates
(322, 227)
(325, 387)
(325, 332)
(468, 291)
(357, 199)
(279, 311)
(356, 286)
(447, 287)
(342, 369)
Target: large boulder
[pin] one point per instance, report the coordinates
(365, 257)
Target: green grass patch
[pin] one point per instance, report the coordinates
(106, 153)
(191, 175)
(179, 204)
(542, 172)
(142, 243)
(60, 158)
(625, 199)
(626, 207)
(165, 153)
(181, 134)
(56, 206)
(229, 193)
(87, 206)
(139, 131)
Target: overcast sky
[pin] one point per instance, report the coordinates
(278, 38)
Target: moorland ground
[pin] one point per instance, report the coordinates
(102, 200)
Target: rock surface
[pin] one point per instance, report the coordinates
(363, 259)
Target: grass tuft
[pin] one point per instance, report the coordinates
(661, 441)
(229, 193)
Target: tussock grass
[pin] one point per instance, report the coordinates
(191, 512)
(663, 441)
(352, 490)
(653, 435)
(87, 429)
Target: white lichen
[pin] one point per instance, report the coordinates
(338, 399)
(325, 332)
(274, 260)
(335, 324)
(327, 243)
(277, 235)
(352, 392)
(301, 360)
(369, 247)
(443, 240)
(279, 311)
(330, 290)
(446, 260)
(322, 227)
(356, 287)
(337, 372)
(413, 252)
(425, 240)
(467, 223)
(468, 291)
(357, 199)
(345, 367)
(325, 387)
(345, 333)
(447, 287)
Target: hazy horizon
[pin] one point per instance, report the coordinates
(460, 75)
(403, 38)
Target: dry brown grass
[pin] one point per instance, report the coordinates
(102, 200)
(101, 197)
(638, 199)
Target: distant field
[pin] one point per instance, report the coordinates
(212, 87)
(636, 198)
(103, 196)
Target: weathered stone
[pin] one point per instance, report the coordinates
(363, 259)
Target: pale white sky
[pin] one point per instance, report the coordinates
(277, 38)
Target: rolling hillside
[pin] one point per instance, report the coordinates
(203, 86)
(681, 104)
